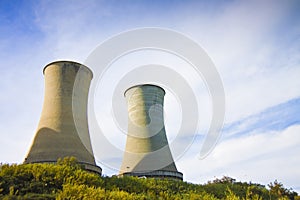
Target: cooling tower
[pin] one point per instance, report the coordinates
(147, 150)
(63, 126)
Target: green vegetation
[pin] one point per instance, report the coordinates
(67, 180)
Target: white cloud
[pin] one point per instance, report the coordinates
(262, 91)
(259, 157)
(254, 49)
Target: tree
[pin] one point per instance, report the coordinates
(277, 190)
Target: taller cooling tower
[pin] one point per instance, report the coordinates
(63, 127)
(147, 150)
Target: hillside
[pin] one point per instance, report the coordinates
(66, 180)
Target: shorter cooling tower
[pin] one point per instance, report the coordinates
(147, 150)
(63, 127)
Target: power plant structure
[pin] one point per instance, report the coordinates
(63, 127)
(147, 152)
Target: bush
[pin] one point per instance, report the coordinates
(67, 180)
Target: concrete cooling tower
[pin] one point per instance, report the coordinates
(147, 151)
(63, 127)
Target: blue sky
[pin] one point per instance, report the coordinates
(254, 45)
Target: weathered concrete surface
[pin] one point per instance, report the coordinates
(147, 150)
(63, 127)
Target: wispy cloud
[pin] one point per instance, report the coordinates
(278, 118)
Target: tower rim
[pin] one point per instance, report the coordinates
(144, 84)
(67, 61)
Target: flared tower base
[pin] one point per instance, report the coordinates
(161, 174)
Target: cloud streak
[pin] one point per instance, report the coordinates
(278, 118)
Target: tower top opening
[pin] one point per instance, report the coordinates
(144, 85)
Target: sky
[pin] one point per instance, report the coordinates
(255, 46)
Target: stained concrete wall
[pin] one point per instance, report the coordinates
(63, 127)
(147, 152)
